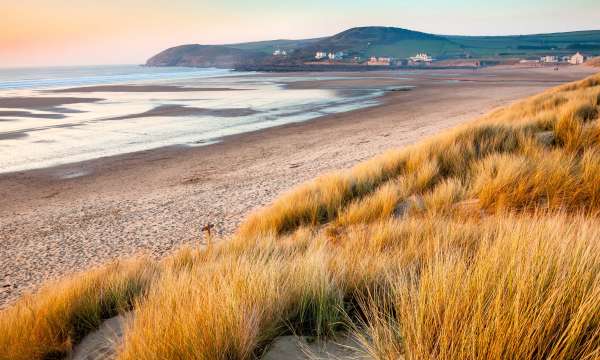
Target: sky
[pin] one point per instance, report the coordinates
(92, 32)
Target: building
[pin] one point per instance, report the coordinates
(279, 52)
(381, 61)
(320, 55)
(421, 58)
(577, 59)
(565, 59)
(549, 59)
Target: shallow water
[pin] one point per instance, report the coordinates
(70, 76)
(122, 122)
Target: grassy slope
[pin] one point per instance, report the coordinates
(269, 46)
(480, 243)
(474, 46)
(382, 41)
(406, 43)
(446, 45)
(449, 46)
(557, 43)
(408, 48)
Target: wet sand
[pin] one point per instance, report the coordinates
(13, 136)
(137, 88)
(68, 218)
(28, 114)
(181, 110)
(43, 103)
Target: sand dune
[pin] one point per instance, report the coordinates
(53, 222)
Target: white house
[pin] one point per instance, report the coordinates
(382, 61)
(421, 57)
(577, 59)
(549, 59)
(279, 52)
(320, 55)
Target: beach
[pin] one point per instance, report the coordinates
(67, 218)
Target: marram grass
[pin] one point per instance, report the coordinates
(479, 243)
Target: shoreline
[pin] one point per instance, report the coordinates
(202, 120)
(62, 219)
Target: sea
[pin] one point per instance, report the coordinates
(46, 119)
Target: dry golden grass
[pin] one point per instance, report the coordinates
(481, 243)
(530, 291)
(231, 306)
(47, 324)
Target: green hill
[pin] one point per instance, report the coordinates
(383, 41)
(204, 56)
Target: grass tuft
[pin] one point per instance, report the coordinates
(47, 324)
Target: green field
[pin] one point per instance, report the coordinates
(524, 45)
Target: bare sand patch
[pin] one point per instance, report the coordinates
(103, 343)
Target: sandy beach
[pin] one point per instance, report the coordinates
(58, 220)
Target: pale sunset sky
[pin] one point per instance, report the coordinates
(80, 32)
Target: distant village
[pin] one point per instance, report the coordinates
(419, 59)
(340, 57)
(575, 59)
